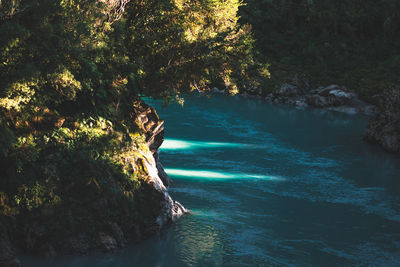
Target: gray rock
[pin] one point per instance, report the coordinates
(118, 234)
(384, 132)
(384, 128)
(161, 172)
(218, 91)
(301, 103)
(287, 90)
(333, 97)
(154, 129)
(341, 94)
(107, 242)
(163, 175)
(316, 101)
(339, 98)
(325, 91)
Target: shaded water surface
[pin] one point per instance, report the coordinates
(269, 185)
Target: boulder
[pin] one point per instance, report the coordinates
(107, 242)
(316, 101)
(339, 98)
(335, 95)
(301, 103)
(287, 90)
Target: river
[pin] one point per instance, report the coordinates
(269, 185)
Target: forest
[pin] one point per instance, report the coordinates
(350, 42)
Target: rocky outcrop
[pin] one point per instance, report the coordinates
(333, 97)
(384, 128)
(153, 128)
(299, 93)
(154, 131)
(384, 124)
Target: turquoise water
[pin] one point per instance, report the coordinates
(269, 186)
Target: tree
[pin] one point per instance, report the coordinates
(352, 42)
(72, 74)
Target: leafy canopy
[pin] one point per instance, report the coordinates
(71, 76)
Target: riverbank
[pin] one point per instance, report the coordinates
(384, 119)
(319, 43)
(332, 97)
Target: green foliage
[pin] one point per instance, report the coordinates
(352, 42)
(180, 46)
(58, 177)
(62, 54)
(70, 75)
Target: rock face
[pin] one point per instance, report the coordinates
(333, 97)
(153, 128)
(384, 132)
(384, 128)
(154, 131)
